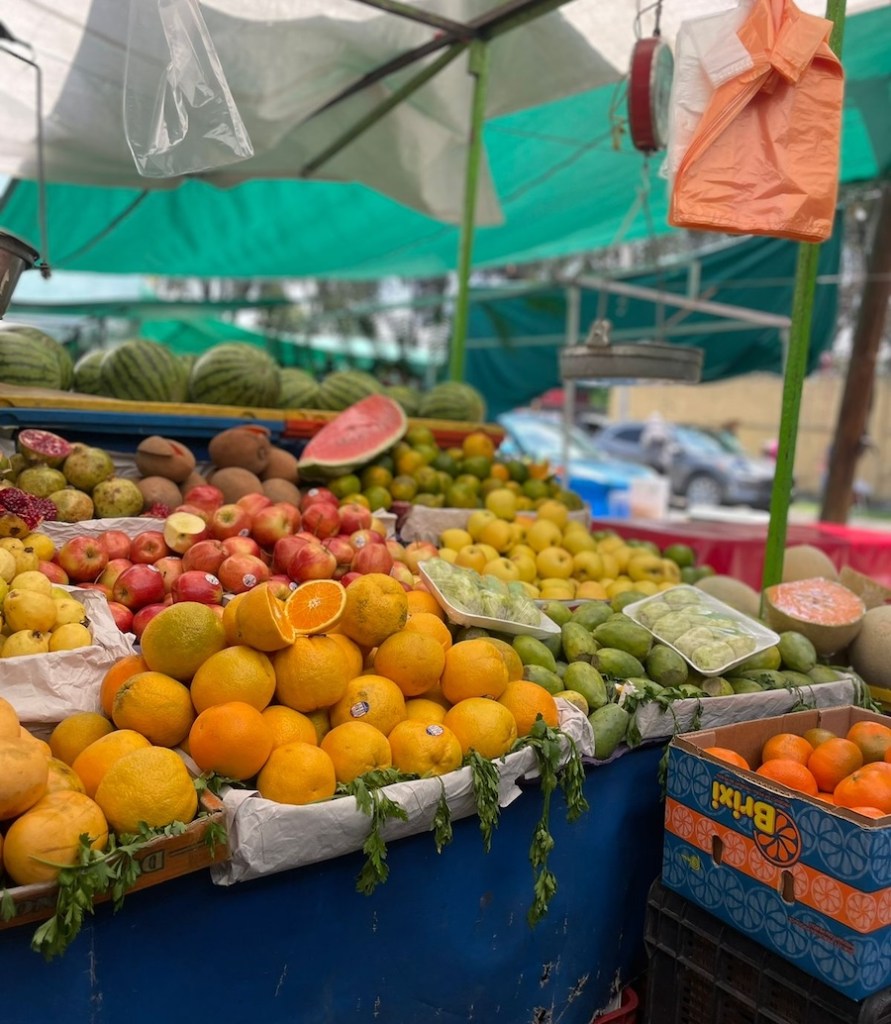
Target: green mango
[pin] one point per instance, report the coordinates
(610, 724)
(578, 643)
(583, 677)
(666, 667)
(470, 633)
(824, 674)
(770, 679)
(557, 612)
(617, 664)
(625, 635)
(769, 658)
(646, 686)
(797, 652)
(689, 690)
(592, 613)
(742, 684)
(797, 678)
(561, 668)
(534, 652)
(717, 686)
(554, 644)
(550, 681)
(627, 597)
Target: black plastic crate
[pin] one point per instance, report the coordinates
(702, 971)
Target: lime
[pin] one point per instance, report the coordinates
(376, 476)
(535, 489)
(427, 479)
(471, 482)
(446, 463)
(417, 435)
(409, 461)
(404, 488)
(477, 465)
(519, 471)
(445, 480)
(345, 485)
(681, 554)
(430, 500)
(378, 497)
(428, 452)
(461, 496)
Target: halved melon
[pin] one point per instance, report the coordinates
(824, 611)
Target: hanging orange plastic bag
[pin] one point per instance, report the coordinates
(756, 124)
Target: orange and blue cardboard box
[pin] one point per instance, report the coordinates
(808, 880)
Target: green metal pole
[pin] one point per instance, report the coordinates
(479, 68)
(796, 367)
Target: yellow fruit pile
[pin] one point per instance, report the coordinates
(553, 556)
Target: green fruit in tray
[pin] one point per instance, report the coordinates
(610, 724)
(712, 655)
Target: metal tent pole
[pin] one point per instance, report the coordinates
(796, 366)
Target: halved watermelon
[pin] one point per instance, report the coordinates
(353, 437)
(824, 611)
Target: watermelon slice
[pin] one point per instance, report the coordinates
(353, 437)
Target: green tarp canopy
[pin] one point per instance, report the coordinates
(562, 186)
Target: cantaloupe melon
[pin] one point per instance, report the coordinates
(805, 562)
(824, 611)
(870, 652)
(871, 591)
(734, 592)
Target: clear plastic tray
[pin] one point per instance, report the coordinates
(718, 623)
(546, 626)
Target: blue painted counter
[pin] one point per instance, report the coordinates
(445, 939)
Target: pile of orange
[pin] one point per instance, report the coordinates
(851, 771)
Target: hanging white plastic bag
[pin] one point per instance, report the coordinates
(179, 114)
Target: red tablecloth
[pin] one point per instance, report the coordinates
(737, 549)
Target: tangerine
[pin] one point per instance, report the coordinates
(262, 621)
(790, 773)
(424, 601)
(425, 748)
(787, 746)
(869, 812)
(297, 773)
(818, 735)
(231, 739)
(413, 660)
(151, 786)
(482, 725)
(424, 709)
(833, 760)
(728, 755)
(234, 673)
(873, 739)
(354, 656)
(116, 676)
(288, 726)
(356, 748)
(432, 625)
(372, 699)
(526, 702)
(76, 732)
(316, 605)
(512, 660)
(178, 640)
(869, 789)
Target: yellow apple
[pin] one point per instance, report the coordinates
(554, 510)
(554, 593)
(578, 540)
(490, 552)
(666, 585)
(647, 587)
(477, 520)
(496, 534)
(610, 542)
(554, 563)
(671, 570)
(518, 532)
(646, 567)
(502, 568)
(455, 538)
(531, 590)
(521, 549)
(473, 557)
(622, 555)
(587, 565)
(449, 555)
(503, 502)
(610, 565)
(556, 581)
(526, 567)
(619, 587)
(543, 533)
(591, 590)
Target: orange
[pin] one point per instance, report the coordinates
(289, 726)
(424, 601)
(156, 705)
(316, 605)
(311, 673)
(262, 621)
(433, 625)
(297, 773)
(869, 812)
(230, 620)
(321, 722)
(372, 699)
(231, 739)
(790, 773)
(234, 673)
(180, 639)
(76, 732)
(873, 739)
(876, 766)
(826, 797)
(512, 660)
(414, 661)
(62, 776)
(116, 676)
(355, 658)
(51, 831)
(93, 761)
(473, 668)
(150, 786)
(9, 721)
(41, 745)
(482, 725)
(376, 607)
(24, 771)
(728, 755)
(422, 709)
(425, 748)
(865, 789)
(435, 694)
(356, 748)
(833, 760)
(787, 746)
(478, 443)
(526, 701)
(817, 736)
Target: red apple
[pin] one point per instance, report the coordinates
(362, 537)
(350, 577)
(117, 543)
(339, 546)
(315, 494)
(281, 587)
(321, 519)
(204, 496)
(194, 510)
(401, 572)
(230, 520)
(241, 546)
(354, 517)
(114, 569)
(148, 547)
(253, 502)
(239, 573)
(372, 558)
(312, 562)
(54, 573)
(138, 586)
(123, 617)
(284, 550)
(144, 616)
(83, 558)
(396, 549)
(203, 587)
(100, 587)
(206, 556)
(419, 551)
(183, 529)
(292, 512)
(270, 524)
(170, 567)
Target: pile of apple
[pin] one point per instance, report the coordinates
(208, 548)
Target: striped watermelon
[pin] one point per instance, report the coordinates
(357, 435)
(88, 373)
(30, 358)
(453, 400)
(343, 388)
(142, 371)
(236, 374)
(407, 397)
(300, 390)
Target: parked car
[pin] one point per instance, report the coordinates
(704, 467)
(592, 473)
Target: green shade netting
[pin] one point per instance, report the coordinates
(562, 185)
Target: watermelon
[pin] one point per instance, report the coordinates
(30, 358)
(88, 373)
(407, 397)
(453, 400)
(141, 371)
(236, 374)
(299, 389)
(824, 611)
(356, 436)
(343, 388)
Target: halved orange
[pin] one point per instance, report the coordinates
(316, 606)
(262, 621)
